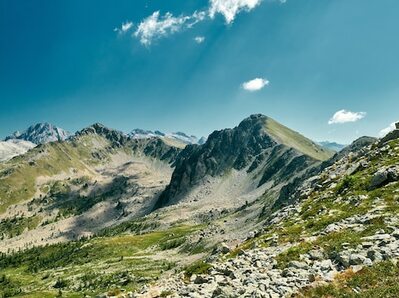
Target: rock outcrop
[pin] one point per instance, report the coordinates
(258, 145)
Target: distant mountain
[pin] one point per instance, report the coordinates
(176, 136)
(12, 148)
(332, 145)
(40, 133)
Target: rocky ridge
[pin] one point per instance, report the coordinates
(41, 133)
(251, 147)
(344, 220)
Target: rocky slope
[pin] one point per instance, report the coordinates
(12, 148)
(344, 223)
(259, 147)
(40, 133)
(256, 211)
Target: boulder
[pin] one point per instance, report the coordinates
(200, 280)
(383, 177)
(224, 248)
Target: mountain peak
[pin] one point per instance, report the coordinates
(179, 136)
(40, 133)
(115, 136)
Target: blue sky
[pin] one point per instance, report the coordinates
(71, 64)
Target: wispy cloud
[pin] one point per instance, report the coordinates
(199, 39)
(255, 84)
(344, 116)
(230, 8)
(156, 26)
(387, 130)
(125, 27)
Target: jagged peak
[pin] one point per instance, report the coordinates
(98, 128)
(40, 133)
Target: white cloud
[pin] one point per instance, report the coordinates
(344, 116)
(124, 27)
(230, 8)
(387, 130)
(156, 26)
(199, 39)
(255, 84)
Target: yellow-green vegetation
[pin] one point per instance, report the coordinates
(295, 140)
(90, 266)
(18, 176)
(11, 227)
(380, 280)
(198, 267)
(350, 196)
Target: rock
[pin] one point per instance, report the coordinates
(315, 255)
(298, 265)
(356, 259)
(229, 273)
(382, 177)
(367, 262)
(374, 255)
(343, 259)
(367, 244)
(200, 280)
(326, 265)
(224, 248)
(395, 234)
(357, 268)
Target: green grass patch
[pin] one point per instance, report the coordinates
(380, 280)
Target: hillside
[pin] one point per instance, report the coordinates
(65, 190)
(254, 213)
(256, 156)
(340, 238)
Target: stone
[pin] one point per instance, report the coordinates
(224, 248)
(200, 280)
(382, 177)
(367, 262)
(298, 265)
(326, 265)
(374, 255)
(395, 234)
(315, 255)
(367, 244)
(356, 259)
(343, 259)
(357, 268)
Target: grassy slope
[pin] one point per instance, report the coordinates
(107, 263)
(18, 176)
(295, 140)
(380, 280)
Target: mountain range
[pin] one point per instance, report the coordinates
(257, 210)
(332, 145)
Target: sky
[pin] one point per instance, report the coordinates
(326, 68)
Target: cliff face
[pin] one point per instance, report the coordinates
(258, 145)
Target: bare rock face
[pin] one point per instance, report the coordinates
(248, 146)
(41, 133)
